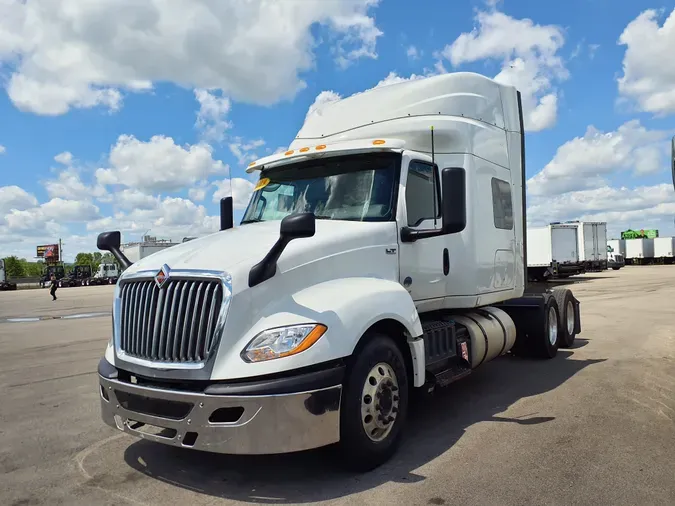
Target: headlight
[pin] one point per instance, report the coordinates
(282, 342)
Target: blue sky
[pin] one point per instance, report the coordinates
(132, 118)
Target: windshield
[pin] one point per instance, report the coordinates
(356, 188)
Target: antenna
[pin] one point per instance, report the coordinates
(433, 172)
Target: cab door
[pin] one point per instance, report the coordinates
(423, 265)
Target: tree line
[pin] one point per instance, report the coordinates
(16, 267)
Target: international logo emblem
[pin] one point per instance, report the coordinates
(162, 276)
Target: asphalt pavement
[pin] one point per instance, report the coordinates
(595, 425)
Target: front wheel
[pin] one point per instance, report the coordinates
(374, 405)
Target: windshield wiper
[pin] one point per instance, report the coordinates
(251, 220)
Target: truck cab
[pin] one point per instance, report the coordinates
(383, 252)
(107, 273)
(5, 284)
(615, 259)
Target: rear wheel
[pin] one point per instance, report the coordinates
(374, 405)
(566, 316)
(545, 344)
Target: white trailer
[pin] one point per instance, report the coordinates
(553, 252)
(639, 251)
(664, 249)
(592, 239)
(383, 252)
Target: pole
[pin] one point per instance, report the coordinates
(60, 251)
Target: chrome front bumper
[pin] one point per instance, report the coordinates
(246, 424)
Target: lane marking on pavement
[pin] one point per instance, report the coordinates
(25, 319)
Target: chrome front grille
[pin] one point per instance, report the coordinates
(175, 323)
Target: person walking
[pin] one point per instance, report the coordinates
(52, 288)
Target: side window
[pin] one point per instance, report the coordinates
(419, 194)
(502, 206)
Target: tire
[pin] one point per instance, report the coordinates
(545, 343)
(359, 451)
(566, 317)
(616, 268)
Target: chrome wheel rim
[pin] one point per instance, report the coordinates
(379, 402)
(570, 317)
(552, 326)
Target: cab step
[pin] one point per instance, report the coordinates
(447, 351)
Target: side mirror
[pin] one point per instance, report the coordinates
(108, 241)
(111, 241)
(293, 226)
(453, 211)
(298, 226)
(226, 213)
(453, 207)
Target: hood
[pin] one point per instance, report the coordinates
(236, 250)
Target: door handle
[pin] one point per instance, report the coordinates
(446, 261)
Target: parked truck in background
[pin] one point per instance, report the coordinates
(58, 271)
(5, 284)
(553, 252)
(592, 237)
(76, 277)
(383, 253)
(106, 274)
(615, 259)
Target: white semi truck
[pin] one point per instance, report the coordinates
(383, 253)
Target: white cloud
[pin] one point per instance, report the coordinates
(159, 164)
(65, 54)
(197, 194)
(212, 113)
(530, 62)
(65, 158)
(3, 149)
(15, 198)
(413, 53)
(394, 78)
(244, 152)
(172, 217)
(56, 211)
(322, 99)
(130, 199)
(648, 70)
(621, 208)
(69, 185)
(585, 162)
(241, 190)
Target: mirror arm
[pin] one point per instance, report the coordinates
(267, 267)
(110, 241)
(410, 235)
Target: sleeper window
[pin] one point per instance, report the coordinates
(501, 204)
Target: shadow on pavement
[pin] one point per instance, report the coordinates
(435, 425)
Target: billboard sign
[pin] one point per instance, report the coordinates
(640, 234)
(50, 252)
